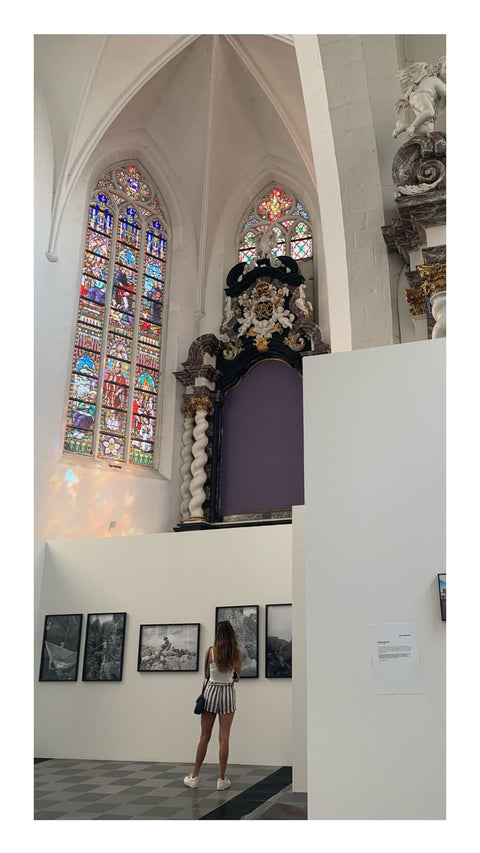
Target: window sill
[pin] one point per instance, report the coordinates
(77, 460)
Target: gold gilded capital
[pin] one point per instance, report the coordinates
(188, 410)
(202, 404)
(416, 299)
(434, 277)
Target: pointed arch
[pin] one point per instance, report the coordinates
(115, 377)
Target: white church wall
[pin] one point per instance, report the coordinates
(166, 578)
(299, 652)
(75, 497)
(375, 541)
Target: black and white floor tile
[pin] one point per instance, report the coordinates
(147, 790)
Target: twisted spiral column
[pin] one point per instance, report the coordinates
(186, 453)
(200, 458)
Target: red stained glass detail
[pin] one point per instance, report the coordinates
(301, 249)
(276, 205)
(150, 333)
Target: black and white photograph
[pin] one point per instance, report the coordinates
(169, 648)
(60, 647)
(278, 641)
(442, 591)
(244, 621)
(104, 645)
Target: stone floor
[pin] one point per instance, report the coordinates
(148, 790)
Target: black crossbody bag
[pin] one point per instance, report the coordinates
(200, 703)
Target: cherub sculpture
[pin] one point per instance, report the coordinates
(425, 95)
(265, 243)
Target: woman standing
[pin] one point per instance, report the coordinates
(223, 663)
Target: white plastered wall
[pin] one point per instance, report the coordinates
(375, 541)
(165, 578)
(74, 499)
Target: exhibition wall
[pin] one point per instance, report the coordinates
(375, 542)
(164, 578)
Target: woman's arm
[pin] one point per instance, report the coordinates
(206, 666)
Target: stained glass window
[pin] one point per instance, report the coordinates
(292, 226)
(115, 380)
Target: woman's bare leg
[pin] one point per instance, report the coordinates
(225, 722)
(207, 721)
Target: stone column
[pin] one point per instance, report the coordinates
(434, 286)
(201, 405)
(186, 454)
(438, 301)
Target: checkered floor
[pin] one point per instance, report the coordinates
(142, 790)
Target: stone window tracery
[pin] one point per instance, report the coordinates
(280, 208)
(115, 379)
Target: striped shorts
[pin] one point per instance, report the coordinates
(220, 698)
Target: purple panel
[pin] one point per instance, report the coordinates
(262, 444)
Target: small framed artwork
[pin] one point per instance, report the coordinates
(244, 621)
(104, 645)
(60, 647)
(278, 641)
(442, 591)
(169, 648)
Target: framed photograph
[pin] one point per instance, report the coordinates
(169, 648)
(104, 645)
(442, 591)
(60, 647)
(278, 641)
(244, 621)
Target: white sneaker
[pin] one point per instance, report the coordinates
(223, 784)
(191, 781)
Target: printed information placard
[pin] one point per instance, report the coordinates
(396, 661)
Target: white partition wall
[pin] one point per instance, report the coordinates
(164, 578)
(375, 541)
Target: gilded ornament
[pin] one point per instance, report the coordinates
(188, 409)
(296, 342)
(202, 404)
(231, 351)
(434, 278)
(416, 299)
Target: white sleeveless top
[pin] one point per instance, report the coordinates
(219, 677)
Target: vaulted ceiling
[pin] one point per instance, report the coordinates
(217, 107)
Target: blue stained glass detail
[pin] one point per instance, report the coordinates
(130, 211)
(102, 198)
(156, 224)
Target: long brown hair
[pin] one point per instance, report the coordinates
(226, 647)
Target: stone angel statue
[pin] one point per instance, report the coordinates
(265, 243)
(424, 95)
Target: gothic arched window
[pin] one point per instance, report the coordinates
(291, 221)
(114, 386)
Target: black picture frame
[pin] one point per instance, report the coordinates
(60, 647)
(278, 641)
(442, 593)
(104, 647)
(244, 620)
(160, 647)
